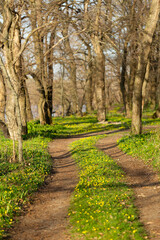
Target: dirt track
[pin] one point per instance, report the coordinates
(143, 180)
(46, 218)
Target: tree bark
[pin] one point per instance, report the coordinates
(100, 66)
(2, 98)
(11, 44)
(72, 69)
(28, 103)
(123, 82)
(145, 43)
(45, 89)
(100, 86)
(89, 82)
(144, 86)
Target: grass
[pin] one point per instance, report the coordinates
(145, 146)
(65, 127)
(71, 126)
(18, 181)
(102, 206)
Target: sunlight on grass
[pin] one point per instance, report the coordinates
(102, 206)
(145, 146)
(18, 181)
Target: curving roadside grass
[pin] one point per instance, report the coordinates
(102, 206)
(18, 181)
(145, 146)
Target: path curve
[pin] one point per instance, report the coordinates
(46, 218)
(143, 180)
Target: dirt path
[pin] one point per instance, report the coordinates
(143, 180)
(46, 218)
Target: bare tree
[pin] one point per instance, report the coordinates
(144, 49)
(10, 43)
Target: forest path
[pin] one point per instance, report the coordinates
(46, 218)
(144, 181)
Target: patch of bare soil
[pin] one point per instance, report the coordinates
(143, 180)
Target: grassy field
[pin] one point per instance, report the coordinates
(18, 181)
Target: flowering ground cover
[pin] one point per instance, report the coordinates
(65, 127)
(18, 181)
(102, 206)
(72, 125)
(145, 146)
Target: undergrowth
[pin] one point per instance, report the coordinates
(102, 206)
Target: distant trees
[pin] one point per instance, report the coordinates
(104, 49)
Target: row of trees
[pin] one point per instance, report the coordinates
(92, 43)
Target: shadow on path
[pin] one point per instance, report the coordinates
(143, 180)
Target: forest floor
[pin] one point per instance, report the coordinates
(46, 218)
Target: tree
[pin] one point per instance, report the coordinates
(144, 48)
(43, 40)
(72, 68)
(11, 45)
(2, 98)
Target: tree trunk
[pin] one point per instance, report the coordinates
(96, 38)
(43, 106)
(89, 90)
(145, 84)
(72, 71)
(28, 104)
(12, 71)
(145, 43)
(23, 107)
(100, 86)
(44, 88)
(2, 98)
(123, 82)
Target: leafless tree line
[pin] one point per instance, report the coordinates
(106, 50)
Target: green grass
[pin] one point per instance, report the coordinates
(145, 146)
(64, 127)
(102, 206)
(18, 181)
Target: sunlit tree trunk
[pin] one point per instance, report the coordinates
(144, 86)
(45, 91)
(123, 82)
(28, 103)
(99, 65)
(145, 43)
(89, 82)
(2, 98)
(10, 70)
(72, 69)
